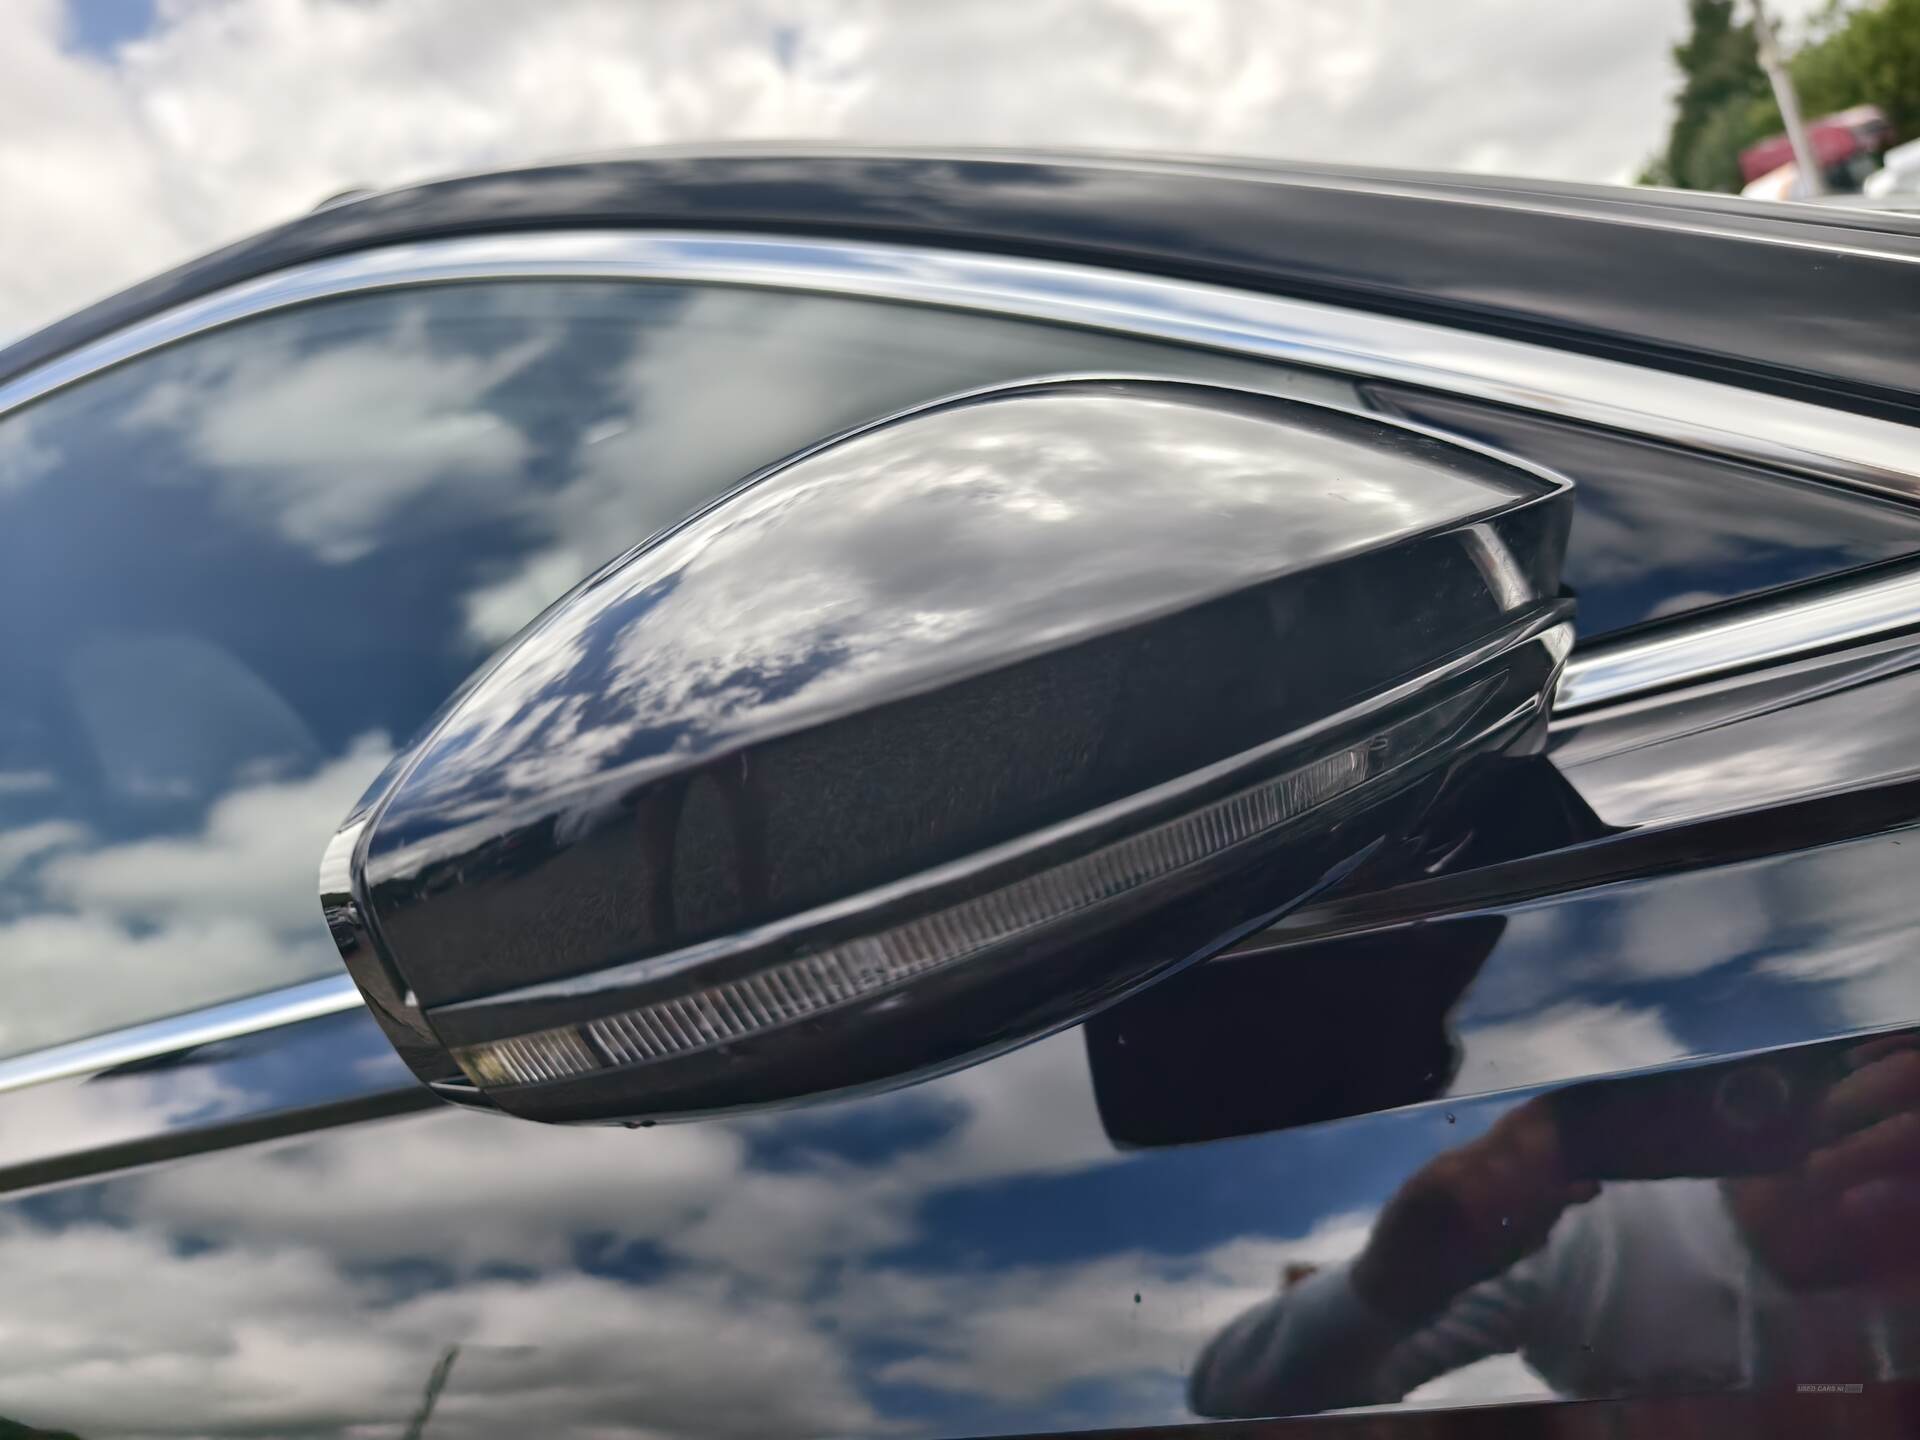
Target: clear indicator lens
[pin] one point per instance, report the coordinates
(856, 969)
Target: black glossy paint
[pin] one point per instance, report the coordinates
(1663, 530)
(964, 653)
(959, 1258)
(1794, 300)
(1044, 1242)
(963, 1257)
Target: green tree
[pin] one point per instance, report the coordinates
(1852, 54)
(1864, 56)
(1721, 83)
(14, 1430)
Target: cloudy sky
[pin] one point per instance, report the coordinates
(134, 133)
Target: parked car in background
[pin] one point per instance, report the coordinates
(1899, 173)
(1109, 791)
(1846, 145)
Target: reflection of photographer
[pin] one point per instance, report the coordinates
(1807, 1272)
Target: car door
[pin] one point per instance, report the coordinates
(251, 541)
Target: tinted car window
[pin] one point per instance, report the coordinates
(235, 574)
(1662, 530)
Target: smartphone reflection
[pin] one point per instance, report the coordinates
(1728, 1226)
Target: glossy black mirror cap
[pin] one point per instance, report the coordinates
(940, 635)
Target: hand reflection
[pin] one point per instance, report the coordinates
(1749, 1225)
(1846, 1215)
(1467, 1215)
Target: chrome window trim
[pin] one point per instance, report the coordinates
(1835, 446)
(1761, 631)
(308, 1000)
(1764, 631)
(1859, 450)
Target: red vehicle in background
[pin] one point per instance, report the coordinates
(1847, 144)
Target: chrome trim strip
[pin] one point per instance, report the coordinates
(1767, 630)
(1859, 450)
(1762, 632)
(1757, 633)
(328, 995)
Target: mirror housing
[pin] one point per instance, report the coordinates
(939, 736)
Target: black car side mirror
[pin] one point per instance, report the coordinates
(939, 736)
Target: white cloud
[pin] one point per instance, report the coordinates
(1681, 925)
(851, 599)
(90, 209)
(380, 1191)
(327, 443)
(676, 433)
(1028, 1113)
(24, 459)
(1027, 1332)
(1852, 935)
(68, 1117)
(1568, 1041)
(1031, 1112)
(497, 611)
(255, 857)
(72, 975)
(1834, 921)
(751, 1331)
(777, 1279)
(1700, 775)
(1872, 978)
(100, 935)
(781, 1227)
(250, 1340)
(21, 846)
(232, 116)
(298, 1224)
(678, 1358)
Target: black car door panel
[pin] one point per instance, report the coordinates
(240, 568)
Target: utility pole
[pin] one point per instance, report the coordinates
(1811, 180)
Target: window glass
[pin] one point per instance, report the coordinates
(235, 574)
